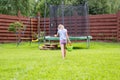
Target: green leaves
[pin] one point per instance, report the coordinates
(12, 7)
(103, 6)
(31, 7)
(12, 28)
(15, 26)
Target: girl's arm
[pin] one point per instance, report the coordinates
(68, 38)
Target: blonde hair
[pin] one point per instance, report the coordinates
(60, 26)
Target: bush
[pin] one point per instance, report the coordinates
(15, 26)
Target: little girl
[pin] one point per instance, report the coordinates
(63, 37)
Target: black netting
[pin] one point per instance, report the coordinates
(74, 18)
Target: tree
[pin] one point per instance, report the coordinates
(31, 7)
(103, 6)
(97, 7)
(16, 27)
(44, 4)
(113, 6)
(12, 7)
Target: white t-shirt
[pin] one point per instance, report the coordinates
(62, 34)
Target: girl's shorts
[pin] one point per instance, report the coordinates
(63, 41)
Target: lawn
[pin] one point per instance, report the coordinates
(26, 62)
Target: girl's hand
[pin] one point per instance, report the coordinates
(69, 42)
(55, 35)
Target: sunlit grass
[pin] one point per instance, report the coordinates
(27, 62)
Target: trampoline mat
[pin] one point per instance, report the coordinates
(71, 38)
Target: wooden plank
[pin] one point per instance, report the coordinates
(104, 24)
(102, 16)
(103, 20)
(103, 27)
(98, 34)
(7, 41)
(12, 34)
(103, 30)
(6, 31)
(9, 17)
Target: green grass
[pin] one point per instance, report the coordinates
(27, 62)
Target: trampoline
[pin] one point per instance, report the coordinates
(87, 38)
(74, 18)
(71, 38)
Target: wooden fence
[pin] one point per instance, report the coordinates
(102, 27)
(5, 20)
(105, 27)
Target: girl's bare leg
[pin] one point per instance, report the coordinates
(63, 50)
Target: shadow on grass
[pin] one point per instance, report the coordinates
(75, 48)
(79, 48)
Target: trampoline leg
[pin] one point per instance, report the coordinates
(88, 42)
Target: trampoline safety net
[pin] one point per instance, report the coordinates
(74, 18)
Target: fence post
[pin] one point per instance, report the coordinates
(118, 26)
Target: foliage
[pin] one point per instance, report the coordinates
(32, 7)
(12, 7)
(42, 36)
(103, 6)
(11, 28)
(39, 36)
(98, 7)
(34, 35)
(95, 6)
(15, 26)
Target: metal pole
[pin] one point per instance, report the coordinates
(62, 12)
(38, 17)
(87, 22)
(45, 21)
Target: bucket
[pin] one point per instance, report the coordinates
(69, 47)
